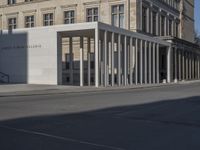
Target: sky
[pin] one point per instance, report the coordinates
(197, 15)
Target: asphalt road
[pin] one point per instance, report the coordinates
(166, 118)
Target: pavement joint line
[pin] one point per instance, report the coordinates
(61, 138)
(95, 90)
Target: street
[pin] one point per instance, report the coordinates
(160, 118)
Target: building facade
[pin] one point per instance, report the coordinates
(163, 51)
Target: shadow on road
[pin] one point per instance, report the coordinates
(166, 125)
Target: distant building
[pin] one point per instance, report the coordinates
(98, 42)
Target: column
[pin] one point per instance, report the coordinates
(81, 62)
(157, 65)
(154, 63)
(150, 64)
(198, 67)
(175, 65)
(131, 61)
(183, 65)
(169, 52)
(125, 60)
(71, 59)
(96, 51)
(100, 62)
(145, 63)
(136, 61)
(190, 66)
(105, 58)
(186, 64)
(141, 61)
(112, 59)
(89, 60)
(179, 64)
(119, 60)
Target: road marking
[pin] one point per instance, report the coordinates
(61, 138)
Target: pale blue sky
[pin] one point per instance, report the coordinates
(197, 15)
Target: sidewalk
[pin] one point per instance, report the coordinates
(30, 89)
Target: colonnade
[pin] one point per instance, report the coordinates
(120, 59)
(187, 64)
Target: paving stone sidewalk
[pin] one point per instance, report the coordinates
(30, 89)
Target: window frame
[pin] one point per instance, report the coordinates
(30, 22)
(118, 14)
(93, 15)
(12, 25)
(49, 20)
(70, 18)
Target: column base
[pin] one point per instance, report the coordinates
(175, 80)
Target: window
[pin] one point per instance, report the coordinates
(154, 17)
(162, 25)
(118, 16)
(12, 23)
(69, 17)
(177, 29)
(170, 27)
(10, 2)
(28, 0)
(92, 14)
(144, 19)
(29, 21)
(48, 19)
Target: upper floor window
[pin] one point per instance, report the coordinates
(118, 16)
(12, 23)
(29, 21)
(144, 19)
(48, 19)
(154, 17)
(69, 17)
(92, 14)
(177, 29)
(170, 27)
(162, 25)
(11, 2)
(28, 0)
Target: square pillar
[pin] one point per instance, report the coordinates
(136, 61)
(112, 59)
(154, 63)
(157, 64)
(105, 59)
(145, 62)
(71, 60)
(141, 61)
(131, 61)
(96, 51)
(89, 60)
(81, 62)
(119, 60)
(150, 63)
(125, 60)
